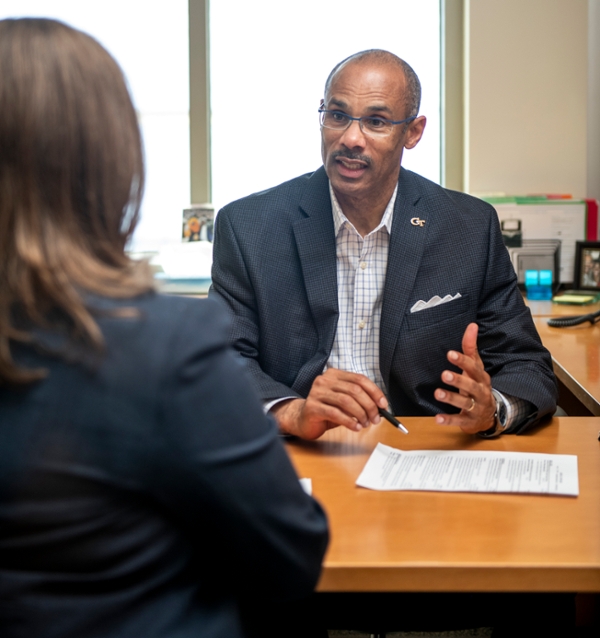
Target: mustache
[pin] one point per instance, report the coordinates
(351, 156)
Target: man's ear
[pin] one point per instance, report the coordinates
(414, 132)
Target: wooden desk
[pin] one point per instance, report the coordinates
(576, 357)
(549, 309)
(433, 541)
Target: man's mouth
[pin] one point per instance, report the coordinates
(351, 166)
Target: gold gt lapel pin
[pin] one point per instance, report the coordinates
(415, 221)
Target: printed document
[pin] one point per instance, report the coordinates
(470, 471)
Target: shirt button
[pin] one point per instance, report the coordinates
(361, 325)
(363, 264)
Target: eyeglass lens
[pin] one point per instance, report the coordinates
(339, 121)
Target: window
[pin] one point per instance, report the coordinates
(152, 49)
(260, 52)
(268, 53)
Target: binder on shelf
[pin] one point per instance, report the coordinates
(592, 219)
(539, 255)
(552, 217)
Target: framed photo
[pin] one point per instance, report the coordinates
(587, 265)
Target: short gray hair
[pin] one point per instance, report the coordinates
(413, 86)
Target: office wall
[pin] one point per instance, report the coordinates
(526, 74)
(593, 116)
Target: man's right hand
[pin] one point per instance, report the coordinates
(336, 398)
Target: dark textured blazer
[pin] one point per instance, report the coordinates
(275, 265)
(145, 494)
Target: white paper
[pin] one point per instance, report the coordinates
(470, 471)
(191, 260)
(306, 485)
(565, 221)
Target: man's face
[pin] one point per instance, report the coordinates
(357, 164)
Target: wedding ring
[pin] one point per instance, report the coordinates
(472, 404)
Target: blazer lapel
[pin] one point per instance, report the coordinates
(315, 240)
(407, 243)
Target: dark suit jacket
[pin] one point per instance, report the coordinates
(275, 265)
(145, 494)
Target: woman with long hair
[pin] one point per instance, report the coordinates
(142, 490)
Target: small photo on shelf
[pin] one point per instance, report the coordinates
(587, 266)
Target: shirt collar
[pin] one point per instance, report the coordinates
(339, 219)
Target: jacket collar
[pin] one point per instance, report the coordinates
(315, 240)
(407, 245)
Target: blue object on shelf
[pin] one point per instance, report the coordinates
(545, 278)
(538, 284)
(532, 278)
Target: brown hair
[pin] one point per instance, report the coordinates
(71, 183)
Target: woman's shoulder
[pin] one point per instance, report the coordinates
(155, 327)
(161, 312)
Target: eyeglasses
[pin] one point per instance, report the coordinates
(369, 124)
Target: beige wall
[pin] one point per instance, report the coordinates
(593, 138)
(526, 75)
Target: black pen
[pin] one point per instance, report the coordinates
(392, 419)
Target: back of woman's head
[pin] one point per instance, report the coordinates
(71, 181)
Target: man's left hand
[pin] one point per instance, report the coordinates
(474, 397)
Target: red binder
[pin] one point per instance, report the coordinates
(592, 219)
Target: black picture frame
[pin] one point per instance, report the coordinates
(587, 265)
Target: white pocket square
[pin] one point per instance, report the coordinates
(434, 301)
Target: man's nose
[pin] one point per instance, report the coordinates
(353, 136)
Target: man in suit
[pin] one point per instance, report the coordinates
(333, 279)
